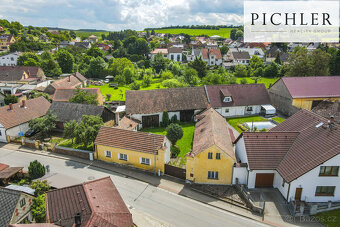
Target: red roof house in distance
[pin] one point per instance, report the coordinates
(91, 204)
(289, 94)
(212, 56)
(65, 94)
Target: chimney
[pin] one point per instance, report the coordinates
(69, 78)
(10, 106)
(77, 220)
(23, 104)
(331, 122)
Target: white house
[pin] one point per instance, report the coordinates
(14, 118)
(238, 99)
(175, 54)
(253, 51)
(240, 58)
(300, 157)
(9, 59)
(212, 56)
(163, 51)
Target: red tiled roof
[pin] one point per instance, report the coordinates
(160, 50)
(79, 76)
(32, 70)
(242, 95)
(35, 108)
(212, 129)
(265, 150)
(67, 82)
(129, 140)
(98, 201)
(207, 52)
(316, 86)
(3, 166)
(65, 94)
(127, 123)
(34, 225)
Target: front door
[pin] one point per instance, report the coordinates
(298, 193)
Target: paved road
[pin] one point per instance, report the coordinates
(169, 208)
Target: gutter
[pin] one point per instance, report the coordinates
(206, 93)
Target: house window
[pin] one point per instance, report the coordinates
(329, 171)
(178, 57)
(123, 157)
(325, 191)
(226, 110)
(210, 155)
(0, 130)
(145, 161)
(172, 57)
(249, 108)
(283, 183)
(227, 99)
(213, 175)
(22, 202)
(218, 156)
(108, 154)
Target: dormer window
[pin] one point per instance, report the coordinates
(227, 99)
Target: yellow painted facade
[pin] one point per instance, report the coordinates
(306, 103)
(197, 167)
(133, 157)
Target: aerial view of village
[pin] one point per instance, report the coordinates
(161, 113)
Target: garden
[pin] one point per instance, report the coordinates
(240, 125)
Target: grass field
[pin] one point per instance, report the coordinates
(278, 119)
(87, 34)
(184, 144)
(330, 218)
(223, 32)
(266, 81)
(119, 94)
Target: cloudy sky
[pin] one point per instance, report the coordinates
(121, 14)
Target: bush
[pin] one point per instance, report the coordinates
(243, 81)
(135, 86)
(38, 209)
(174, 132)
(165, 119)
(40, 187)
(24, 181)
(174, 119)
(36, 170)
(10, 99)
(174, 151)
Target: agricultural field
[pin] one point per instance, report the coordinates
(223, 32)
(87, 34)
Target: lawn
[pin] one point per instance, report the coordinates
(184, 144)
(265, 81)
(87, 34)
(119, 93)
(239, 120)
(68, 143)
(223, 32)
(330, 218)
(278, 119)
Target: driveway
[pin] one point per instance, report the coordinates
(276, 209)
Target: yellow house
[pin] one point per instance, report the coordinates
(289, 94)
(5, 41)
(212, 157)
(138, 149)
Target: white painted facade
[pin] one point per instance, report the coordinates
(238, 110)
(308, 181)
(177, 57)
(9, 59)
(167, 153)
(241, 174)
(12, 132)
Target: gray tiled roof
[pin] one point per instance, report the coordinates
(8, 201)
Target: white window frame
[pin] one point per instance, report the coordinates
(227, 99)
(123, 157)
(144, 162)
(108, 154)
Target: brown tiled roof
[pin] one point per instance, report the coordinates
(127, 123)
(79, 76)
(67, 82)
(313, 146)
(98, 201)
(3, 166)
(9, 172)
(328, 109)
(34, 225)
(32, 70)
(65, 94)
(207, 52)
(129, 140)
(35, 108)
(212, 129)
(241, 94)
(174, 50)
(265, 150)
(313, 86)
(172, 99)
(241, 55)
